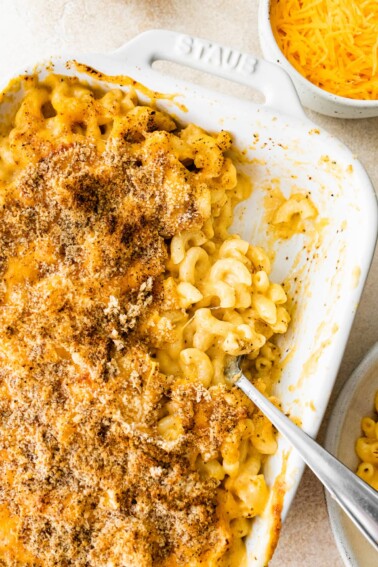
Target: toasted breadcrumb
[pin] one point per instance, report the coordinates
(84, 472)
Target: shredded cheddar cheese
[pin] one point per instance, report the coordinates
(333, 43)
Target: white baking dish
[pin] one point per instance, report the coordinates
(281, 143)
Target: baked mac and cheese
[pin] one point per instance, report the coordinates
(367, 449)
(123, 295)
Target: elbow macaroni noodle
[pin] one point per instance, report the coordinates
(228, 307)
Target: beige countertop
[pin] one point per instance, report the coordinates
(31, 29)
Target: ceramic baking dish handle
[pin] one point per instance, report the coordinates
(271, 80)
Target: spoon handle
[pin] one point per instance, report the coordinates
(355, 497)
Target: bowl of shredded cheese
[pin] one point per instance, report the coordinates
(330, 50)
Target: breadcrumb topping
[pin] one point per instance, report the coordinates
(84, 472)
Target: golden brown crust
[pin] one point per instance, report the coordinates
(84, 469)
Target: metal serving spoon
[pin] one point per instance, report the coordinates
(355, 497)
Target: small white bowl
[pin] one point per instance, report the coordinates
(355, 401)
(311, 96)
